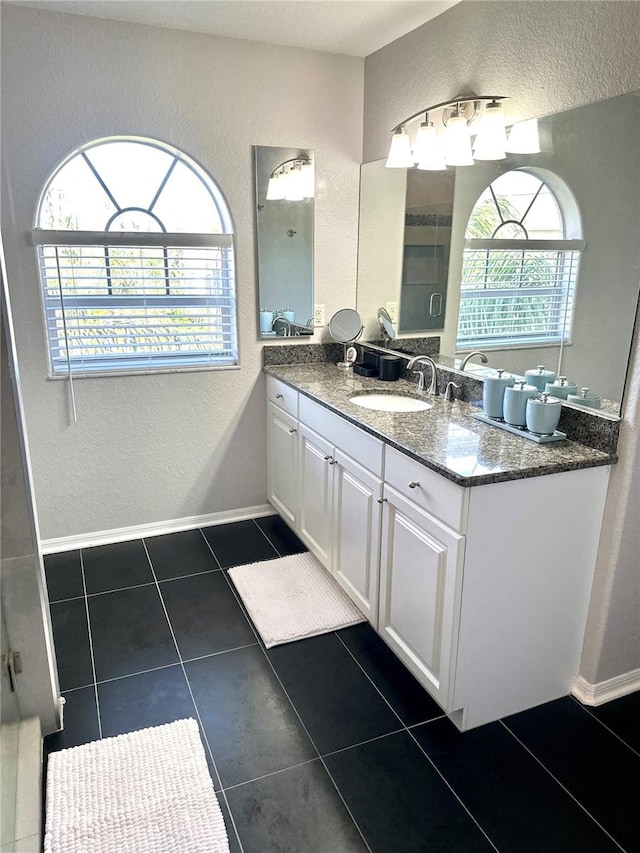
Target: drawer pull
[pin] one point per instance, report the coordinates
(327, 458)
(333, 461)
(279, 396)
(414, 484)
(291, 431)
(382, 500)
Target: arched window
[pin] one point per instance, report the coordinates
(519, 268)
(135, 244)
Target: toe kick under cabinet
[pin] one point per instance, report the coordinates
(482, 592)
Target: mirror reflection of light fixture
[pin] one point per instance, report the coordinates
(292, 180)
(446, 141)
(524, 137)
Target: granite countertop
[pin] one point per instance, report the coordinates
(445, 438)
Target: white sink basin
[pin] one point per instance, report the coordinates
(390, 403)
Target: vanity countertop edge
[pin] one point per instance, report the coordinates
(446, 438)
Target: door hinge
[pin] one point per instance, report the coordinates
(12, 663)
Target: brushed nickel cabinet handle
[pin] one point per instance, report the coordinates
(414, 484)
(327, 458)
(291, 431)
(279, 396)
(333, 462)
(382, 500)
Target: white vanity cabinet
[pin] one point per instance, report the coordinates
(420, 587)
(481, 591)
(282, 456)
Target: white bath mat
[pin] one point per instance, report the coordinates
(292, 598)
(144, 792)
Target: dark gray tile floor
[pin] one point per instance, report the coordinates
(327, 745)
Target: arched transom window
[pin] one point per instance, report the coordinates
(135, 245)
(519, 269)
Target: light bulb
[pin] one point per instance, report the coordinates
(293, 191)
(400, 156)
(524, 137)
(457, 142)
(275, 189)
(491, 140)
(428, 152)
(307, 179)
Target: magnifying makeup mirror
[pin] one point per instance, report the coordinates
(345, 327)
(386, 325)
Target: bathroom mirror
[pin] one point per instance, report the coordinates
(594, 151)
(284, 200)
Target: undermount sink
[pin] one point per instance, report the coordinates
(390, 403)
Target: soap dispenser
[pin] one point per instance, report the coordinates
(493, 393)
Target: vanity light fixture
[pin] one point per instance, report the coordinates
(445, 138)
(292, 180)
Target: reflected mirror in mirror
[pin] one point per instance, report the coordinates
(284, 195)
(589, 178)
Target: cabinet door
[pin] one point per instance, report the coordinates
(356, 533)
(420, 590)
(282, 462)
(315, 456)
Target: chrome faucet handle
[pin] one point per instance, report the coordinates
(449, 393)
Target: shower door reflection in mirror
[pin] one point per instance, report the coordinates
(284, 189)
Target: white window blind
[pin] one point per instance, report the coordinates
(513, 292)
(154, 287)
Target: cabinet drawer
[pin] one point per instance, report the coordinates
(282, 395)
(354, 442)
(431, 492)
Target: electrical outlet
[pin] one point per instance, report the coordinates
(392, 311)
(318, 315)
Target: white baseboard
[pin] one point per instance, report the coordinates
(137, 531)
(605, 691)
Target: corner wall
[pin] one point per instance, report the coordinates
(547, 57)
(155, 448)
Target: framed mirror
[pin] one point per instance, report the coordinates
(284, 204)
(590, 163)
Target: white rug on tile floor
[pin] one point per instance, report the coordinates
(144, 792)
(292, 598)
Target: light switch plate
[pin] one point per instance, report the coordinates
(392, 311)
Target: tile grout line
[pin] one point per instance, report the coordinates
(169, 665)
(208, 544)
(306, 731)
(587, 710)
(413, 738)
(272, 773)
(558, 782)
(193, 698)
(267, 538)
(449, 786)
(93, 662)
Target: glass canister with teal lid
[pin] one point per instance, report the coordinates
(539, 376)
(493, 392)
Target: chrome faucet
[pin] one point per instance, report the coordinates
(419, 359)
(284, 324)
(468, 357)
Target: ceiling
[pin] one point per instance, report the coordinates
(354, 27)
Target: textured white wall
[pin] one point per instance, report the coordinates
(548, 57)
(154, 448)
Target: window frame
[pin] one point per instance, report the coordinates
(122, 365)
